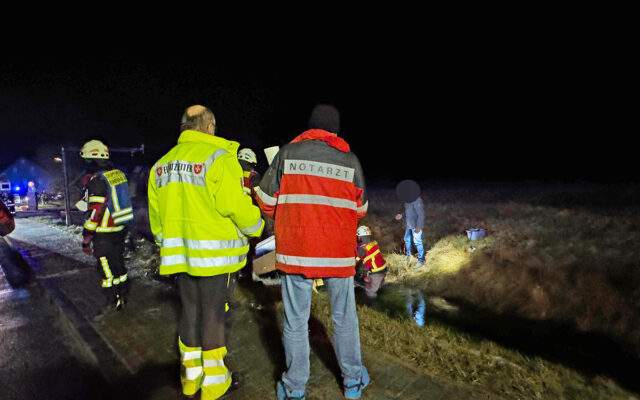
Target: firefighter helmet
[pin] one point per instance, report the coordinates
(248, 155)
(363, 231)
(94, 149)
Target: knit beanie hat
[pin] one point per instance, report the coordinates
(326, 117)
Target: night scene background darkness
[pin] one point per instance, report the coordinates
(499, 112)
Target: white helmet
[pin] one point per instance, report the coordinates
(363, 231)
(248, 155)
(94, 149)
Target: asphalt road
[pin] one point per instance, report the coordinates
(40, 356)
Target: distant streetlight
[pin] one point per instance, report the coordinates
(57, 159)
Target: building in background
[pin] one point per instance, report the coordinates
(22, 172)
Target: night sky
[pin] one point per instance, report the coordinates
(472, 112)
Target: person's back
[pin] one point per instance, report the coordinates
(201, 218)
(315, 189)
(322, 185)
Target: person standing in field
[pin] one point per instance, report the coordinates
(408, 192)
(202, 219)
(315, 188)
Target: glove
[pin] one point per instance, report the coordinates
(86, 249)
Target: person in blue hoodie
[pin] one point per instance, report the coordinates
(408, 192)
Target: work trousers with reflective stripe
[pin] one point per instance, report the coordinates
(205, 315)
(108, 249)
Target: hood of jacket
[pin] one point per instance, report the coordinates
(330, 138)
(195, 136)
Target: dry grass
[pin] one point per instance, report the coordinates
(552, 254)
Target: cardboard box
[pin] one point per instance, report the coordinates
(265, 259)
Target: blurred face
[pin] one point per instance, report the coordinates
(407, 191)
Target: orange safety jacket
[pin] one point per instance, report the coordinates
(314, 188)
(373, 260)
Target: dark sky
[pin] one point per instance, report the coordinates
(511, 110)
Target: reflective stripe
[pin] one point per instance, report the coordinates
(316, 200)
(246, 190)
(266, 199)
(90, 225)
(202, 262)
(97, 199)
(193, 373)
(105, 219)
(190, 355)
(122, 212)
(370, 256)
(253, 229)
(316, 168)
(114, 199)
(210, 380)
(117, 221)
(158, 238)
(316, 261)
(209, 161)
(363, 208)
(107, 272)
(110, 229)
(205, 244)
(177, 177)
(379, 268)
(212, 363)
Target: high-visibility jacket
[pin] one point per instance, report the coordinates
(109, 199)
(372, 258)
(198, 211)
(315, 189)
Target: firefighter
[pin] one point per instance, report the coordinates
(202, 220)
(251, 177)
(370, 256)
(315, 189)
(109, 213)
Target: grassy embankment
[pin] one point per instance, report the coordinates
(546, 306)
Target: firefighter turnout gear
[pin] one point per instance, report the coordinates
(315, 179)
(372, 259)
(198, 211)
(109, 212)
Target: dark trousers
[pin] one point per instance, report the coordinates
(108, 249)
(204, 310)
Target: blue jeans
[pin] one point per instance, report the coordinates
(411, 235)
(296, 297)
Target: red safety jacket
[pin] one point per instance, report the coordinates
(314, 188)
(372, 259)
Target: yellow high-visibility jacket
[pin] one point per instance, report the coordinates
(198, 210)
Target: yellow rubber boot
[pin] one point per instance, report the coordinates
(191, 370)
(217, 377)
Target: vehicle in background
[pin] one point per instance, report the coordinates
(8, 200)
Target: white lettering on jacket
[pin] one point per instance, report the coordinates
(315, 168)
